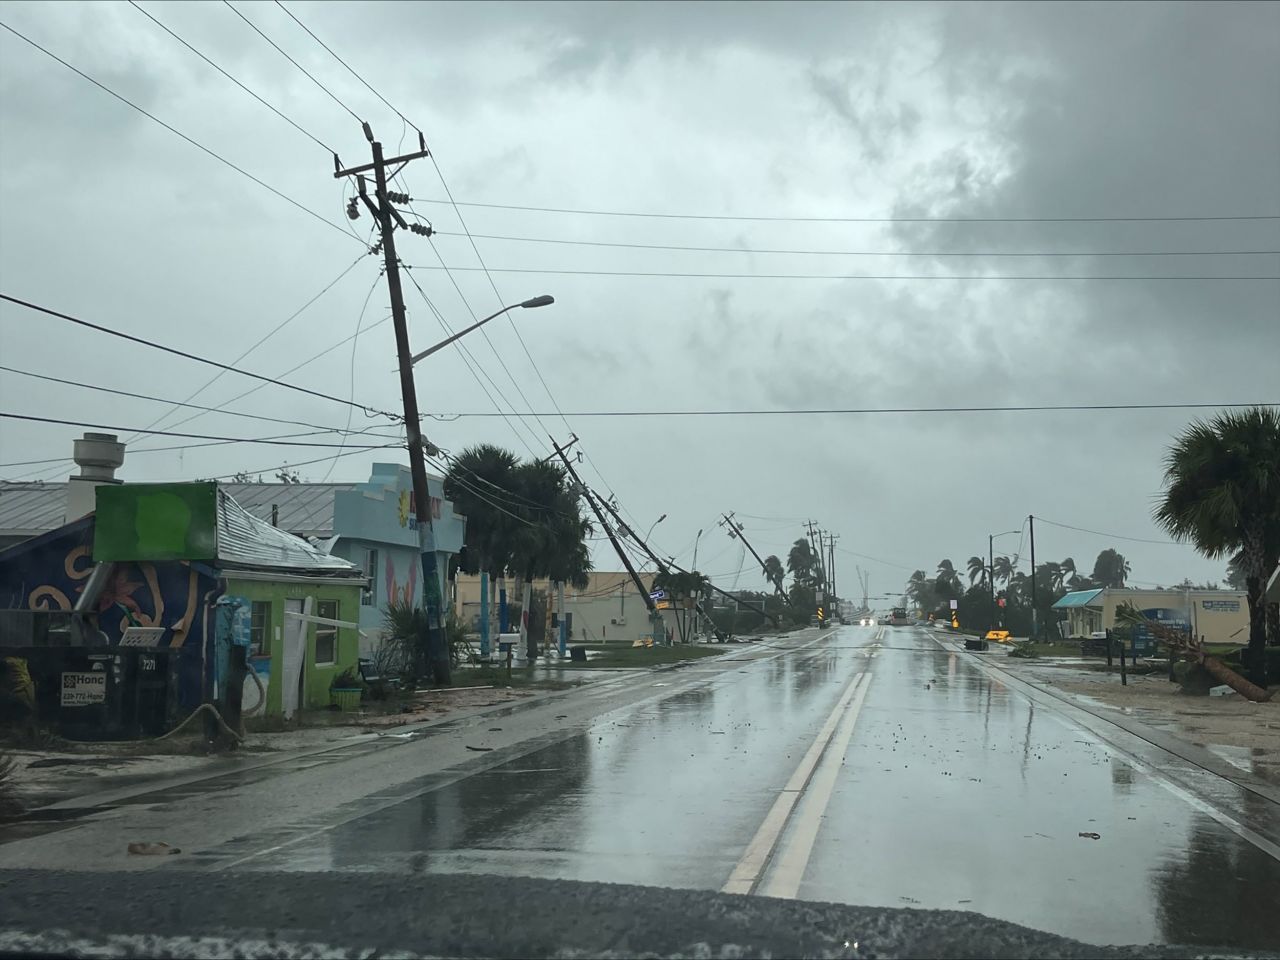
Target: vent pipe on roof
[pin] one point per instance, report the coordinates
(98, 455)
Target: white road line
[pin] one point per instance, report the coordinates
(752, 865)
(787, 870)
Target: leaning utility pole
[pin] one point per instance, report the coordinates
(387, 218)
(1035, 614)
(735, 533)
(595, 508)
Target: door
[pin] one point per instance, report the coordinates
(292, 655)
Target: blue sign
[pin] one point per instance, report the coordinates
(1173, 619)
(1226, 606)
(658, 595)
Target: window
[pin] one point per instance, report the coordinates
(260, 628)
(371, 574)
(326, 634)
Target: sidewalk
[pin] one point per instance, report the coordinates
(67, 772)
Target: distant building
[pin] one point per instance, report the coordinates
(608, 609)
(1219, 616)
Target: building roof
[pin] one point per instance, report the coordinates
(1078, 598)
(28, 509)
(249, 542)
(305, 509)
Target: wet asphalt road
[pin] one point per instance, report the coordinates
(954, 792)
(869, 766)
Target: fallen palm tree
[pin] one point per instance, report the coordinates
(1186, 647)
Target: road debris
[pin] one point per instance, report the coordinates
(478, 749)
(156, 848)
(1089, 835)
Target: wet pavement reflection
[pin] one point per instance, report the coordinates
(959, 793)
(956, 792)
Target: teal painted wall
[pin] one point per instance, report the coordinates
(315, 678)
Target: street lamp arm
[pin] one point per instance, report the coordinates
(541, 301)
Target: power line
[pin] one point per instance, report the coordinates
(256, 30)
(273, 109)
(877, 410)
(297, 366)
(302, 463)
(195, 143)
(134, 451)
(345, 64)
(269, 441)
(190, 356)
(842, 276)
(472, 365)
(355, 343)
(175, 403)
(793, 219)
(1113, 536)
(254, 346)
(867, 253)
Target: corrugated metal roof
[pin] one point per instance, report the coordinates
(27, 509)
(304, 508)
(1078, 598)
(32, 508)
(247, 541)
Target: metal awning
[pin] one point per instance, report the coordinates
(1079, 598)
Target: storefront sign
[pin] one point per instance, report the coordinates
(1225, 606)
(83, 689)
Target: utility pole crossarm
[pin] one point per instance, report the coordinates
(736, 531)
(595, 508)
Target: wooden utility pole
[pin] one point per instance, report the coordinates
(595, 508)
(735, 532)
(1035, 613)
(388, 218)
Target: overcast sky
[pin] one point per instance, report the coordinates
(1031, 111)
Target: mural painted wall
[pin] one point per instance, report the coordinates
(378, 531)
(49, 572)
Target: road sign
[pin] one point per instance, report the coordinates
(658, 595)
(955, 604)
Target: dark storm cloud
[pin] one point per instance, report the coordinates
(813, 110)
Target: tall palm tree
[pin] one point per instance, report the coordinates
(1001, 569)
(774, 572)
(1053, 573)
(800, 561)
(1222, 493)
(480, 482)
(918, 587)
(977, 568)
(948, 576)
(1067, 570)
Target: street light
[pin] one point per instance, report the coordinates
(542, 301)
(652, 525)
(695, 550)
(991, 569)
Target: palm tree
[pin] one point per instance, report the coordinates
(800, 561)
(1111, 568)
(480, 482)
(1222, 493)
(948, 576)
(774, 572)
(1053, 573)
(1067, 571)
(977, 568)
(918, 587)
(1001, 569)
(550, 538)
